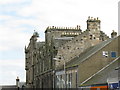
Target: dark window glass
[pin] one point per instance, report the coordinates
(113, 54)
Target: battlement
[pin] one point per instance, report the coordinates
(65, 28)
(91, 19)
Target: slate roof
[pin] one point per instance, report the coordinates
(103, 75)
(87, 53)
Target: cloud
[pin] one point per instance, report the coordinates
(19, 63)
(10, 69)
(11, 1)
(5, 17)
(15, 32)
(11, 39)
(19, 18)
(68, 12)
(8, 77)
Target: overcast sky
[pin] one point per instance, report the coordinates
(19, 19)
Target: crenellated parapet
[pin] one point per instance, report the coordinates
(93, 24)
(93, 19)
(54, 27)
(63, 28)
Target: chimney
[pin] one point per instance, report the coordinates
(17, 81)
(113, 34)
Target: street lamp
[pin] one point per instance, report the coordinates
(56, 59)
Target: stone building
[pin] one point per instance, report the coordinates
(85, 69)
(69, 56)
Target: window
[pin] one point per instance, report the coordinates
(69, 80)
(59, 57)
(77, 33)
(68, 47)
(63, 33)
(85, 37)
(113, 54)
(67, 33)
(63, 47)
(91, 37)
(53, 47)
(82, 41)
(105, 53)
(76, 40)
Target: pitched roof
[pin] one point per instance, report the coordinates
(87, 53)
(103, 75)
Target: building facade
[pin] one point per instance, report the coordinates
(59, 62)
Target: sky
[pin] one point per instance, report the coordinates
(19, 19)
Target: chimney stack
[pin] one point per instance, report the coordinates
(17, 81)
(113, 34)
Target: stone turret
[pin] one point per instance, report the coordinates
(33, 39)
(93, 26)
(35, 35)
(93, 23)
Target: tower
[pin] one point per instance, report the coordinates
(35, 35)
(93, 24)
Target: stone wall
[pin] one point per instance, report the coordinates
(76, 46)
(90, 37)
(63, 43)
(58, 32)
